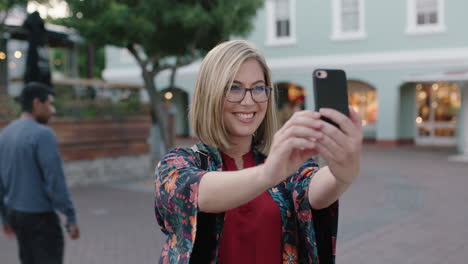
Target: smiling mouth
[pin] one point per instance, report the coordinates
(245, 116)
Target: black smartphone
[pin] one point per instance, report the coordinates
(331, 91)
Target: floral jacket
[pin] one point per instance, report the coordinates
(176, 189)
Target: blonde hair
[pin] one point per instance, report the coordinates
(217, 71)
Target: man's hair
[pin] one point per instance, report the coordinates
(32, 91)
(217, 71)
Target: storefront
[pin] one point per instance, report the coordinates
(437, 105)
(442, 110)
(290, 99)
(363, 99)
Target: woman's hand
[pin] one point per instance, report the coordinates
(341, 147)
(292, 145)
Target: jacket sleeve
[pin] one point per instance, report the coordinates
(176, 196)
(318, 227)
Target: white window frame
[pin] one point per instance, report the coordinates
(271, 38)
(412, 26)
(337, 31)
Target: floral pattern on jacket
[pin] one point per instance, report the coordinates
(176, 189)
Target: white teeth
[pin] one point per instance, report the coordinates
(246, 116)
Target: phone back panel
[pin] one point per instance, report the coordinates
(331, 91)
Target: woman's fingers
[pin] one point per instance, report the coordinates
(298, 143)
(303, 124)
(298, 131)
(355, 118)
(335, 134)
(303, 118)
(345, 123)
(325, 152)
(336, 151)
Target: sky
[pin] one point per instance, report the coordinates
(55, 8)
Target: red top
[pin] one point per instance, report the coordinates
(251, 232)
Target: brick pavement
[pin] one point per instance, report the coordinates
(407, 207)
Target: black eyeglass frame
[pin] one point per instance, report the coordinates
(268, 90)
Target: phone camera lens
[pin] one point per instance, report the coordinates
(321, 74)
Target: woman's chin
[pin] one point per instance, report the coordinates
(243, 134)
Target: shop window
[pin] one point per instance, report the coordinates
(290, 99)
(363, 99)
(437, 106)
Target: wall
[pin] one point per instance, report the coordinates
(101, 150)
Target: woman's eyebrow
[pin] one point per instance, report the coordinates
(256, 82)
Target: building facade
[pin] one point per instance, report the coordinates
(406, 63)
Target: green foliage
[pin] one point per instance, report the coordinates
(7, 4)
(162, 27)
(9, 109)
(71, 105)
(99, 61)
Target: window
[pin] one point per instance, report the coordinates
(426, 12)
(280, 22)
(363, 99)
(437, 105)
(425, 16)
(348, 19)
(282, 18)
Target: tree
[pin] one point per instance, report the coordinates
(161, 34)
(5, 7)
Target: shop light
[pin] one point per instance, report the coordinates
(435, 86)
(18, 54)
(419, 120)
(422, 95)
(168, 95)
(2, 55)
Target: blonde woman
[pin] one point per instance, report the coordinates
(223, 201)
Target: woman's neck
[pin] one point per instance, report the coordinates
(239, 147)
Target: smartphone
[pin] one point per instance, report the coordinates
(331, 91)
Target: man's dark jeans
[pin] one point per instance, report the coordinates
(39, 236)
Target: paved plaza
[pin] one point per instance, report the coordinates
(409, 206)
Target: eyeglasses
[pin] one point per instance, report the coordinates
(260, 94)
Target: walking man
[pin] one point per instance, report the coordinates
(32, 182)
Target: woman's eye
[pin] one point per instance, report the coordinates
(235, 88)
(259, 88)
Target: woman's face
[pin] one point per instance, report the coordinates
(243, 118)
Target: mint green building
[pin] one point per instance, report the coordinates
(406, 63)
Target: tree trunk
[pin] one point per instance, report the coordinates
(159, 128)
(3, 66)
(90, 60)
